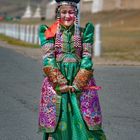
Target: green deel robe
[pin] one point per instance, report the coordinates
(71, 125)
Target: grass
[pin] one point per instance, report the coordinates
(17, 42)
(120, 33)
(121, 43)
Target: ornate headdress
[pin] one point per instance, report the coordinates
(77, 38)
(55, 28)
(68, 2)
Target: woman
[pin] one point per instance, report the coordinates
(69, 106)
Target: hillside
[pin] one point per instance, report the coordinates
(117, 17)
(120, 33)
(17, 7)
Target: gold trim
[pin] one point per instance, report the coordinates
(82, 78)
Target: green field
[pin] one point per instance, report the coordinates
(17, 42)
(120, 33)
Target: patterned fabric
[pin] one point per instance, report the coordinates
(49, 107)
(55, 77)
(87, 49)
(47, 50)
(90, 107)
(78, 45)
(82, 78)
(49, 60)
(74, 115)
(71, 125)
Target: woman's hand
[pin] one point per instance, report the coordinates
(66, 88)
(72, 89)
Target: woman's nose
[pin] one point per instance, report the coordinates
(67, 14)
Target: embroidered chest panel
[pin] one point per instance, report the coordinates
(67, 43)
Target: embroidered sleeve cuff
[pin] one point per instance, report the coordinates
(55, 76)
(82, 78)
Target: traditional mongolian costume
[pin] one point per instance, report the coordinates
(67, 60)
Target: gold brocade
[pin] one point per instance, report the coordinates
(82, 78)
(55, 76)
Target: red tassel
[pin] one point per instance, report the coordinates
(51, 31)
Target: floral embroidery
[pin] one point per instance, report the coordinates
(47, 50)
(55, 76)
(82, 78)
(87, 49)
(90, 106)
(47, 112)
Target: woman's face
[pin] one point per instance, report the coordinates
(67, 15)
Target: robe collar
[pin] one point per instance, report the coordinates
(51, 31)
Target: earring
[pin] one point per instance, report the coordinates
(77, 37)
(58, 40)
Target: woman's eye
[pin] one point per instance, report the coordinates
(63, 12)
(69, 12)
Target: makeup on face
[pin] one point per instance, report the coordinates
(67, 15)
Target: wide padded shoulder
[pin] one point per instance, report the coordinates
(42, 35)
(88, 33)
